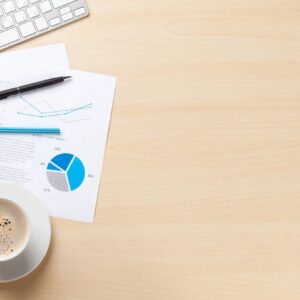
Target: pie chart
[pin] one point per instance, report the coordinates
(65, 172)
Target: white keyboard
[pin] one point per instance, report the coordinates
(21, 20)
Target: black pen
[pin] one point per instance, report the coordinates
(32, 86)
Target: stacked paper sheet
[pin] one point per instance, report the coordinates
(63, 171)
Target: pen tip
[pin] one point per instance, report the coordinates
(67, 77)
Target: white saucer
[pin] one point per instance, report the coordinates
(40, 236)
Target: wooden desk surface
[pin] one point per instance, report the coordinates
(200, 194)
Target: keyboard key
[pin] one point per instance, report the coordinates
(79, 12)
(45, 6)
(27, 29)
(9, 36)
(60, 3)
(9, 7)
(67, 17)
(32, 11)
(20, 16)
(65, 10)
(21, 3)
(54, 22)
(1, 12)
(34, 1)
(7, 21)
(41, 23)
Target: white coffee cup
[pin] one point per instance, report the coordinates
(14, 231)
(25, 232)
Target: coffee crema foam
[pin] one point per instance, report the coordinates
(13, 229)
(7, 235)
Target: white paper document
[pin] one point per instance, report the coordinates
(51, 55)
(63, 171)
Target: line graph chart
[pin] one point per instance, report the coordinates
(41, 109)
(38, 113)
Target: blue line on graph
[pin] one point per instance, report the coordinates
(27, 102)
(53, 113)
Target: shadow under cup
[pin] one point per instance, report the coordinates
(14, 230)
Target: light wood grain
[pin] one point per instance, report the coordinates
(200, 193)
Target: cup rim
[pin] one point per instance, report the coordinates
(26, 242)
